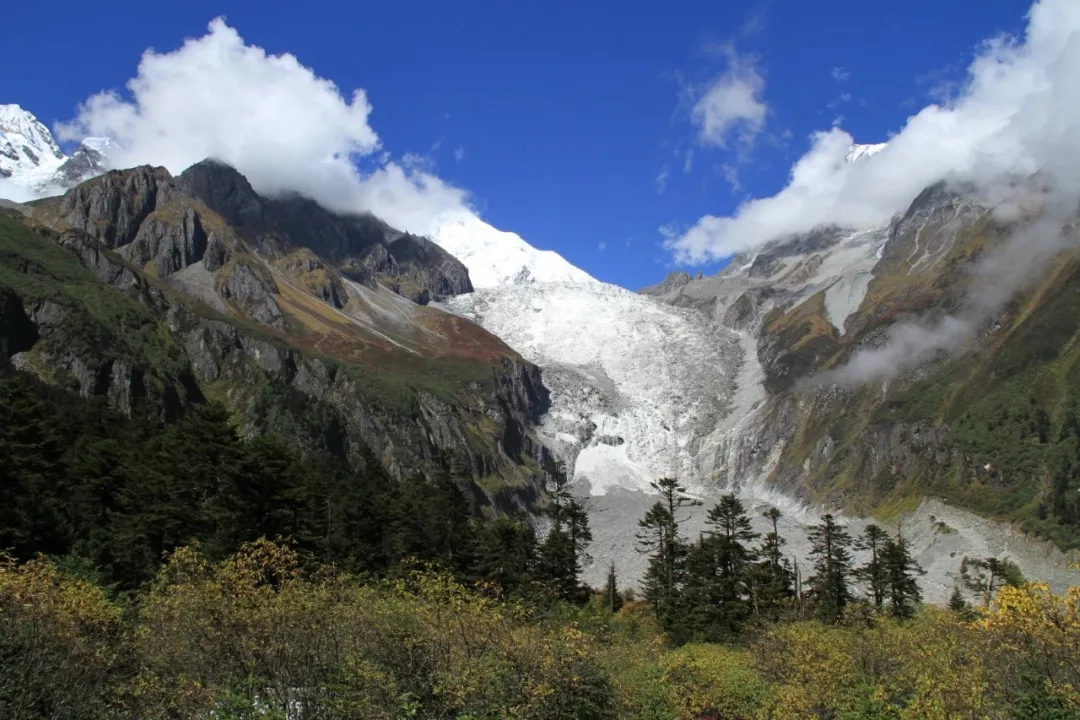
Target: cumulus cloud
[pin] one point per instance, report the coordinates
(1016, 113)
(731, 103)
(275, 120)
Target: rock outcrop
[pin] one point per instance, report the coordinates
(363, 247)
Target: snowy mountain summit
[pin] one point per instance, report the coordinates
(496, 258)
(858, 152)
(30, 157)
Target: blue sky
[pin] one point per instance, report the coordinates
(558, 118)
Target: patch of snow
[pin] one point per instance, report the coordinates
(497, 258)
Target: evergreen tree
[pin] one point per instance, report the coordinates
(564, 548)
(829, 590)
(611, 591)
(733, 559)
(957, 603)
(774, 579)
(507, 554)
(900, 570)
(659, 537)
(874, 572)
(656, 537)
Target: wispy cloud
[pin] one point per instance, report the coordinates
(731, 176)
(601, 246)
(459, 153)
(661, 179)
(840, 74)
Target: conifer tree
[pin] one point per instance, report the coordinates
(830, 549)
(564, 548)
(873, 573)
(733, 559)
(774, 579)
(611, 592)
(658, 536)
(957, 603)
(900, 569)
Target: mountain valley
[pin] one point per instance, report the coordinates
(470, 345)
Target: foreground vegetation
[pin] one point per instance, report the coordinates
(258, 635)
(137, 580)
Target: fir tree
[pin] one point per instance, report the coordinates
(829, 590)
(564, 548)
(733, 559)
(957, 603)
(611, 591)
(774, 578)
(656, 537)
(900, 570)
(659, 537)
(874, 573)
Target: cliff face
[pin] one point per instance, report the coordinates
(132, 287)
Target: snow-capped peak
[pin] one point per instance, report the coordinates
(23, 134)
(31, 160)
(497, 258)
(857, 152)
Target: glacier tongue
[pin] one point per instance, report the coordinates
(635, 384)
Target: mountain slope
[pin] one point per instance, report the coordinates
(279, 334)
(844, 410)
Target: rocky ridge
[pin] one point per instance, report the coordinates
(251, 315)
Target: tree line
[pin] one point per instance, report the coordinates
(710, 589)
(110, 498)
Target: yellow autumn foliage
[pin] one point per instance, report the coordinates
(254, 632)
(263, 635)
(59, 643)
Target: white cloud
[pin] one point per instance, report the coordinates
(661, 180)
(459, 154)
(1017, 113)
(601, 246)
(731, 103)
(731, 176)
(273, 119)
(840, 74)
(688, 161)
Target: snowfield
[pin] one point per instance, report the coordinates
(497, 258)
